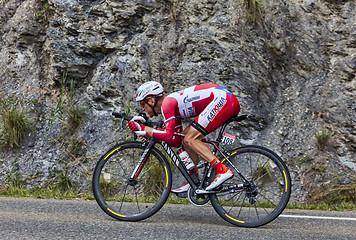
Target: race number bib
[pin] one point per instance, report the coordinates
(228, 138)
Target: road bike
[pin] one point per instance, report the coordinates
(133, 179)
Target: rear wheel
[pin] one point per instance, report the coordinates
(258, 197)
(126, 198)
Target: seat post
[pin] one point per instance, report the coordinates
(222, 129)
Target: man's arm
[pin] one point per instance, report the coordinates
(172, 124)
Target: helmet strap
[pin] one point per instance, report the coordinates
(153, 107)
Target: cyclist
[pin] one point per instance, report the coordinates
(210, 104)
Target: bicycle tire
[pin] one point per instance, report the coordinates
(126, 199)
(266, 197)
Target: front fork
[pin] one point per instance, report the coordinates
(136, 172)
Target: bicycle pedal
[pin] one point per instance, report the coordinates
(182, 194)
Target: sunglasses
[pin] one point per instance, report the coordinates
(144, 102)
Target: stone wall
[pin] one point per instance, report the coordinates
(293, 70)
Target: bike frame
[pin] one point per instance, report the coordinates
(192, 180)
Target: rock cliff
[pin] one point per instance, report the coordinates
(292, 64)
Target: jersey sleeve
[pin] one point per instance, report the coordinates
(172, 124)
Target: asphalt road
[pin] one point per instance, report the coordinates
(26, 218)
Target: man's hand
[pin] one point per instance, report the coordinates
(134, 126)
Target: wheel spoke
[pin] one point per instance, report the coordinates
(122, 201)
(262, 206)
(137, 202)
(233, 205)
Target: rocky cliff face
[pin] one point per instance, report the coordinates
(292, 67)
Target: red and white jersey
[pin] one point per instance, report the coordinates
(189, 102)
(204, 102)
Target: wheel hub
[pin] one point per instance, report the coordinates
(131, 181)
(251, 193)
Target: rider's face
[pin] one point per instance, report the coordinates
(146, 107)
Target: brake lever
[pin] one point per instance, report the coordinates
(122, 124)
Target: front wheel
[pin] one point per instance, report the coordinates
(259, 190)
(124, 196)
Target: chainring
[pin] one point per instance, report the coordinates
(198, 200)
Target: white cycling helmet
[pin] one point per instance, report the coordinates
(149, 89)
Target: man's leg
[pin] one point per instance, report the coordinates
(184, 188)
(194, 146)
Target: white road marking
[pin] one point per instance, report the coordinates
(319, 217)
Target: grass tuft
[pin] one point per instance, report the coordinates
(253, 10)
(323, 138)
(14, 122)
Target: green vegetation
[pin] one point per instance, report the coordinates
(108, 189)
(76, 148)
(67, 110)
(62, 182)
(71, 116)
(75, 113)
(323, 138)
(42, 14)
(154, 176)
(253, 10)
(75, 116)
(60, 186)
(342, 206)
(13, 177)
(334, 194)
(57, 192)
(44, 192)
(304, 159)
(14, 122)
(262, 170)
(130, 108)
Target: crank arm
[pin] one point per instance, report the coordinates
(203, 191)
(221, 189)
